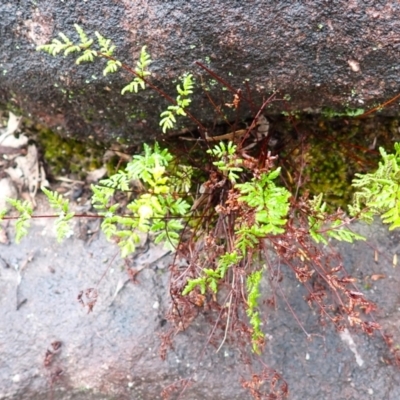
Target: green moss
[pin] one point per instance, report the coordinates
(347, 112)
(327, 172)
(332, 150)
(68, 156)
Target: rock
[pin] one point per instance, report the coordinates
(317, 54)
(51, 347)
(51, 344)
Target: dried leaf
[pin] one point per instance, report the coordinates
(96, 175)
(376, 277)
(12, 126)
(7, 190)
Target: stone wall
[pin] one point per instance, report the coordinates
(317, 54)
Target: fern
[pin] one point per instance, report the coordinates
(316, 218)
(85, 41)
(22, 224)
(270, 206)
(379, 192)
(249, 211)
(227, 260)
(141, 165)
(261, 198)
(67, 46)
(269, 202)
(106, 47)
(168, 117)
(141, 71)
(228, 162)
(112, 66)
(321, 225)
(253, 293)
(61, 206)
(193, 283)
(212, 277)
(87, 56)
(149, 212)
(106, 50)
(181, 181)
(339, 232)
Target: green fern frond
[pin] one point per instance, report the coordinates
(87, 56)
(148, 211)
(112, 67)
(22, 224)
(253, 293)
(321, 227)
(270, 203)
(56, 200)
(168, 120)
(143, 63)
(193, 283)
(61, 206)
(338, 231)
(105, 45)
(82, 34)
(128, 243)
(71, 49)
(168, 117)
(67, 46)
(54, 47)
(66, 40)
(379, 192)
(141, 71)
(228, 162)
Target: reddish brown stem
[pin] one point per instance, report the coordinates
(385, 104)
(218, 78)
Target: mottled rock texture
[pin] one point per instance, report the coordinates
(319, 53)
(112, 353)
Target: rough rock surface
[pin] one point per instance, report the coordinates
(319, 53)
(112, 352)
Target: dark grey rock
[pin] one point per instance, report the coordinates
(113, 352)
(322, 53)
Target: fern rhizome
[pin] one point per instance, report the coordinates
(230, 234)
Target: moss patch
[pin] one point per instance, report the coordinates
(68, 156)
(325, 153)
